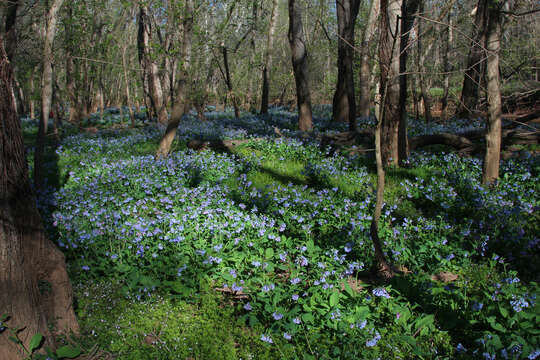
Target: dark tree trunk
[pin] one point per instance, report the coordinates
(344, 102)
(492, 158)
(422, 55)
(446, 68)
(268, 58)
(389, 46)
(229, 81)
(299, 61)
(27, 257)
(408, 8)
(475, 64)
(180, 106)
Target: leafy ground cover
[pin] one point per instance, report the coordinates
(262, 252)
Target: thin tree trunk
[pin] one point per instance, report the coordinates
(381, 266)
(492, 158)
(180, 101)
(46, 90)
(389, 46)
(126, 84)
(422, 55)
(364, 89)
(344, 101)
(299, 61)
(31, 102)
(471, 81)
(268, 58)
(27, 257)
(446, 68)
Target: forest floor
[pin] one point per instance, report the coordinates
(261, 251)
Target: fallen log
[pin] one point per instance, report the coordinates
(460, 143)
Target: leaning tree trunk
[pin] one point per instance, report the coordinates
(181, 98)
(364, 95)
(268, 58)
(299, 61)
(469, 92)
(492, 157)
(27, 257)
(389, 62)
(46, 90)
(381, 266)
(344, 102)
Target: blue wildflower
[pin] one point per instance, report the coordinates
(374, 341)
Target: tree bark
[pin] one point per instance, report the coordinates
(492, 158)
(471, 81)
(381, 266)
(180, 102)
(126, 85)
(448, 39)
(344, 101)
(229, 81)
(27, 257)
(408, 8)
(422, 55)
(389, 45)
(299, 62)
(150, 65)
(268, 58)
(46, 90)
(364, 90)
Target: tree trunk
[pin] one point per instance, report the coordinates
(344, 102)
(126, 84)
(422, 55)
(299, 61)
(229, 81)
(150, 65)
(27, 257)
(364, 96)
(268, 58)
(492, 158)
(408, 8)
(180, 101)
(446, 68)
(46, 90)
(381, 266)
(389, 46)
(471, 81)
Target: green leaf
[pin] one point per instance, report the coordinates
(35, 342)
(334, 299)
(503, 311)
(307, 318)
(269, 253)
(348, 289)
(495, 325)
(425, 321)
(68, 351)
